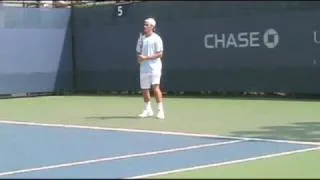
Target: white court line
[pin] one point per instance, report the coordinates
(159, 132)
(224, 163)
(117, 158)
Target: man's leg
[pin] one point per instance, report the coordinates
(158, 94)
(147, 99)
(145, 83)
(146, 95)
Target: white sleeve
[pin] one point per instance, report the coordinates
(159, 45)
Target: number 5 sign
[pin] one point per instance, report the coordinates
(121, 10)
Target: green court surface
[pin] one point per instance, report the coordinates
(262, 118)
(302, 165)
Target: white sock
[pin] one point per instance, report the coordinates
(160, 106)
(148, 105)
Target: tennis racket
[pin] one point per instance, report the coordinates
(140, 42)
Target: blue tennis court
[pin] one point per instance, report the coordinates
(37, 151)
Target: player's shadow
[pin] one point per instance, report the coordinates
(111, 117)
(300, 131)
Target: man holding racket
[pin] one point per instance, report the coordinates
(149, 53)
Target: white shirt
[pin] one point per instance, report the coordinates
(148, 46)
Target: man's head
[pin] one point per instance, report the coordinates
(149, 26)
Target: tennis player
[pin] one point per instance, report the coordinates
(149, 53)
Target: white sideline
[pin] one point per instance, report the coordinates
(116, 158)
(224, 163)
(159, 132)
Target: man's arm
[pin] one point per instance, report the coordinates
(154, 56)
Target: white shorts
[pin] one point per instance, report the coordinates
(149, 79)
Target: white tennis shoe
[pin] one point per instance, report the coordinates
(160, 114)
(146, 113)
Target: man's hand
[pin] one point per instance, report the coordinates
(141, 58)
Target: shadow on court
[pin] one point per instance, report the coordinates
(111, 117)
(300, 131)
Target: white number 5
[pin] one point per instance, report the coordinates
(119, 10)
